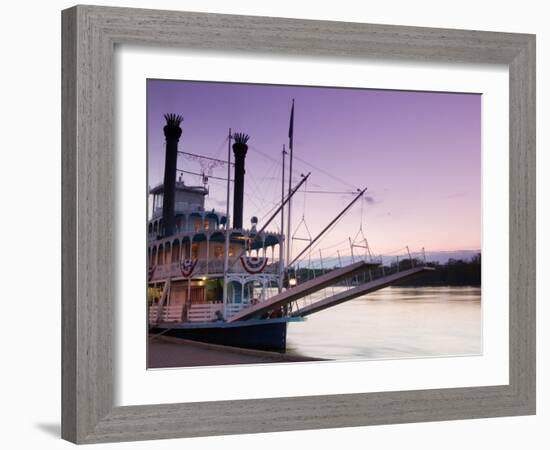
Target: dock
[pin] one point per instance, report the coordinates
(166, 352)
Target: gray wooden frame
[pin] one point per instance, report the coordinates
(89, 37)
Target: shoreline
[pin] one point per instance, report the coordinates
(169, 352)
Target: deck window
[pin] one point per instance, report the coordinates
(160, 260)
(218, 251)
(175, 251)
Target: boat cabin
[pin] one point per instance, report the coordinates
(187, 267)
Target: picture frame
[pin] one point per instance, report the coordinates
(90, 35)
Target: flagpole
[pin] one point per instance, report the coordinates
(227, 230)
(291, 148)
(282, 241)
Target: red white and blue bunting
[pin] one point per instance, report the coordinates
(253, 264)
(187, 267)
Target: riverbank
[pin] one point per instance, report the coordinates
(166, 352)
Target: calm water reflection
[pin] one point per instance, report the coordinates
(394, 323)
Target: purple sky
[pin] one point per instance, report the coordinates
(418, 153)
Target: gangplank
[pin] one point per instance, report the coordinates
(303, 289)
(358, 291)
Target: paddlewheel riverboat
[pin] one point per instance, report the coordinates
(213, 280)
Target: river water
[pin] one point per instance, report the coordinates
(395, 322)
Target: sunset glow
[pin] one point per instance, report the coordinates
(418, 153)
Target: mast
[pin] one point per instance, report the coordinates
(282, 242)
(291, 148)
(227, 232)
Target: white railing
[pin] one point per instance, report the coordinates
(169, 313)
(206, 312)
(198, 312)
(234, 308)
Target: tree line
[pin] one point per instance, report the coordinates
(455, 272)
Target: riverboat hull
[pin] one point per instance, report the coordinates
(263, 334)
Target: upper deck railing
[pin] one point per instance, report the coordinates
(202, 269)
(267, 238)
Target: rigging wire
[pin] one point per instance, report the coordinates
(269, 173)
(221, 147)
(270, 211)
(259, 193)
(203, 175)
(316, 245)
(295, 173)
(276, 167)
(197, 156)
(328, 174)
(331, 192)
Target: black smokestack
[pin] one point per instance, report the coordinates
(172, 132)
(239, 149)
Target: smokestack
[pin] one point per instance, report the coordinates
(172, 133)
(239, 149)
